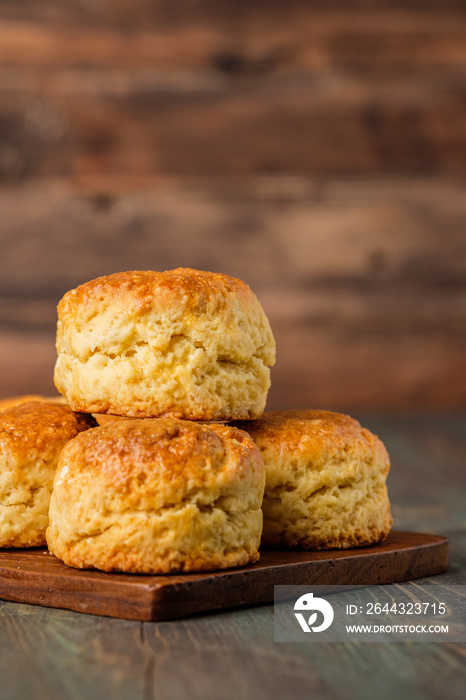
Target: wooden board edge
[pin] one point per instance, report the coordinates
(134, 603)
(429, 559)
(144, 601)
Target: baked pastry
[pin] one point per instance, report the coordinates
(101, 418)
(325, 480)
(182, 343)
(32, 436)
(156, 496)
(12, 401)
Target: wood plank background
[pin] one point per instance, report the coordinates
(316, 150)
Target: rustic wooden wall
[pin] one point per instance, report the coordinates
(315, 149)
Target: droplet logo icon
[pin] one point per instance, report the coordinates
(309, 602)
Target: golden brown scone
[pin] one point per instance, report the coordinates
(12, 401)
(32, 436)
(325, 480)
(156, 496)
(183, 343)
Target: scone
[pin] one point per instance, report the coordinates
(156, 496)
(183, 343)
(325, 480)
(12, 401)
(32, 436)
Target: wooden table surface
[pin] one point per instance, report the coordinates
(48, 654)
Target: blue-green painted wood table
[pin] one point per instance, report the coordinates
(49, 654)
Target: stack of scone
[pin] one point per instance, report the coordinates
(163, 491)
(166, 488)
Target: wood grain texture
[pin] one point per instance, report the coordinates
(35, 576)
(195, 90)
(301, 34)
(364, 282)
(227, 655)
(317, 152)
(81, 124)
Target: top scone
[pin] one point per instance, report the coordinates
(183, 343)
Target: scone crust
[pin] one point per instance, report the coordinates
(325, 480)
(183, 343)
(158, 496)
(12, 401)
(32, 436)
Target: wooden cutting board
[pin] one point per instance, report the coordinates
(36, 576)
